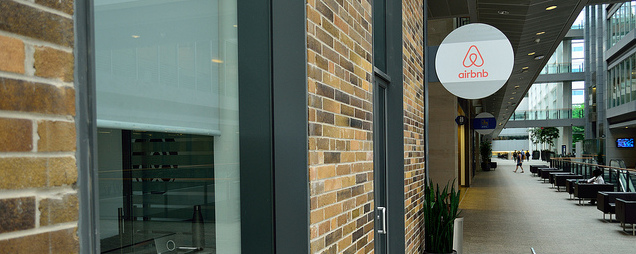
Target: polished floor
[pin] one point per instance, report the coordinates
(506, 212)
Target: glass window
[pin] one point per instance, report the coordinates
(633, 75)
(626, 75)
(380, 32)
(621, 74)
(167, 118)
(578, 55)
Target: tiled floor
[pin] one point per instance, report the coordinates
(506, 212)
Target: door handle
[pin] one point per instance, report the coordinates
(380, 215)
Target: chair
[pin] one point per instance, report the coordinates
(589, 190)
(545, 172)
(569, 185)
(607, 201)
(560, 180)
(540, 170)
(552, 176)
(626, 213)
(534, 169)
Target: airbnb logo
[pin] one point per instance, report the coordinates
(474, 57)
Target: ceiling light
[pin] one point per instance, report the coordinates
(531, 53)
(539, 57)
(540, 33)
(217, 61)
(135, 36)
(514, 92)
(516, 87)
(551, 8)
(503, 12)
(537, 40)
(526, 67)
(512, 98)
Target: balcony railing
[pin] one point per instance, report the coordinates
(550, 114)
(562, 68)
(623, 178)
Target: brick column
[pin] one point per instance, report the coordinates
(38, 173)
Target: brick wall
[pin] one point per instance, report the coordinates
(413, 63)
(339, 47)
(38, 173)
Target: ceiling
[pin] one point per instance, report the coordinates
(529, 26)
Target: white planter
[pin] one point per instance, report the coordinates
(458, 235)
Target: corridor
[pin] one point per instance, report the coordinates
(506, 212)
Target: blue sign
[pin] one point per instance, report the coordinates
(460, 120)
(484, 123)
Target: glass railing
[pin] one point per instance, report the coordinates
(623, 178)
(576, 26)
(562, 68)
(550, 114)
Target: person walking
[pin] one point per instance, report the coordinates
(519, 160)
(527, 155)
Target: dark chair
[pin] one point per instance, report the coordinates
(607, 201)
(560, 180)
(545, 172)
(569, 185)
(589, 190)
(534, 169)
(626, 213)
(493, 165)
(552, 176)
(540, 170)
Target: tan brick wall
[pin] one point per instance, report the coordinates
(38, 172)
(414, 170)
(339, 47)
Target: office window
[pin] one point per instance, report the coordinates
(168, 129)
(379, 35)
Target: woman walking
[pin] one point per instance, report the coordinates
(519, 160)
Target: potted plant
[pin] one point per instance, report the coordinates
(485, 150)
(441, 208)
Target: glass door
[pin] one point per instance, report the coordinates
(380, 166)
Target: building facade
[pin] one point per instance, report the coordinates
(236, 127)
(610, 105)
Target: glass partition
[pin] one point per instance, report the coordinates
(168, 129)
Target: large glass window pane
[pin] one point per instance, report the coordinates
(633, 76)
(379, 30)
(628, 85)
(168, 129)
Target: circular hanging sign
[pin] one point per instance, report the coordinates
(484, 123)
(474, 61)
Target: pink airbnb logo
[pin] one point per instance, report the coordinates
(473, 57)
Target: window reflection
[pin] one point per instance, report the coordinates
(167, 118)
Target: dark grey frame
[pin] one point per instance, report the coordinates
(394, 127)
(86, 128)
(291, 175)
(273, 91)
